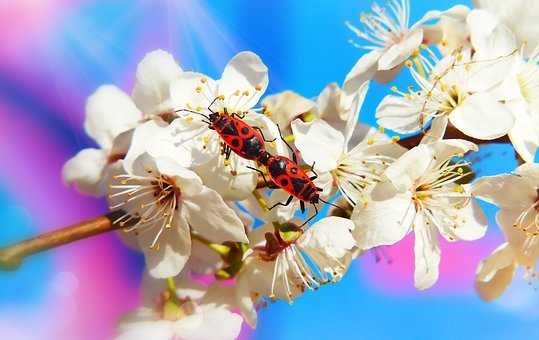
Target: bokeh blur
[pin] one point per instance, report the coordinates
(54, 53)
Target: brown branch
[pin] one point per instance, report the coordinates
(452, 133)
(12, 256)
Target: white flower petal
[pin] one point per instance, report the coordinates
(218, 324)
(187, 180)
(143, 140)
(436, 131)
(399, 114)
(489, 36)
(519, 15)
(174, 248)
(530, 171)
(401, 51)
(210, 217)
(155, 73)
(525, 134)
(495, 273)
(384, 220)
(332, 235)
(468, 223)
(506, 191)
(526, 249)
(352, 113)
(363, 70)
(85, 171)
(286, 106)
(318, 142)
(142, 324)
(426, 253)
(109, 112)
(244, 72)
(481, 116)
(193, 91)
(187, 141)
(410, 166)
(234, 181)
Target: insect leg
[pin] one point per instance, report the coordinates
(283, 204)
(294, 158)
(310, 218)
(314, 172)
(302, 206)
(262, 173)
(262, 133)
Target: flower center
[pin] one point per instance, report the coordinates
(148, 201)
(384, 26)
(441, 188)
(528, 222)
(172, 308)
(357, 172)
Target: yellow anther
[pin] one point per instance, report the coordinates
(189, 119)
(203, 80)
(258, 87)
(444, 43)
(394, 88)
(199, 108)
(459, 57)
(381, 129)
(206, 140)
(460, 170)
(408, 63)
(221, 97)
(415, 52)
(459, 188)
(226, 162)
(198, 89)
(236, 93)
(370, 141)
(395, 139)
(423, 46)
(245, 93)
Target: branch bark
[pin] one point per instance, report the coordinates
(11, 257)
(452, 133)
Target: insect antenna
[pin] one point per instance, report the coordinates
(195, 112)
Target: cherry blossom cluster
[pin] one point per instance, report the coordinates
(217, 244)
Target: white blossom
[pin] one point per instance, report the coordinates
(451, 32)
(421, 193)
(355, 155)
(517, 197)
(110, 112)
(189, 312)
(242, 83)
(389, 39)
(284, 263)
(163, 202)
(520, 16)
(454, 89)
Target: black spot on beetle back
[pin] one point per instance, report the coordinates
(277, 168)
(252, 147)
